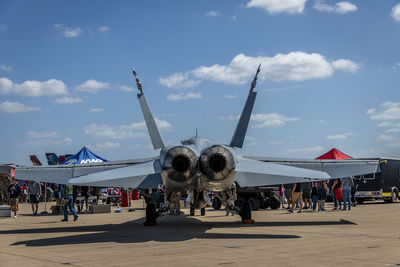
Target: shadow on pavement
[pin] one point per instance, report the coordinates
(168, 229)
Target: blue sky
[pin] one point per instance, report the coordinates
(330, 75)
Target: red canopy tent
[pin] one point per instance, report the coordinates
(334, 154)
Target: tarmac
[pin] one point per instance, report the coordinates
(368, 235)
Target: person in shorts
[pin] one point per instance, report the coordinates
(34, 195)
(14, 189)
(322, 188)
(297, 195)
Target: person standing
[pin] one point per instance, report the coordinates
(307, 195)
(68, 203)
(347, 183)
(282, 195)
(14, 190)
(34, 195)
(337, 194)
(322, 191)
(314, 195)
(297, 195)
(288, 194)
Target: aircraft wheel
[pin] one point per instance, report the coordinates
(216, 203)
(255, 203)
(203, 211)
(274, 203)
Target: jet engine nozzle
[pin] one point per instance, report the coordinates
(180, 163)
(217, 162)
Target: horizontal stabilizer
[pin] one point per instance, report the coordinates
(61, 174)
(128, 177)
(255, 173)
(335, 168)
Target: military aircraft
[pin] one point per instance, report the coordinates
(196, 165)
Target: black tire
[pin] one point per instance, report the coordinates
(216, 204)
(394, 196)
(360, 200)
(203, 211)
(192, 210)
(274, 203)
(255, 203)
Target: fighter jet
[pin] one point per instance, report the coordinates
(196, 165)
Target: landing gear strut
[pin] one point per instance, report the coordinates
(151, 215)
(245, 212)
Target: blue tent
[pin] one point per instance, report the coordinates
(84, 156)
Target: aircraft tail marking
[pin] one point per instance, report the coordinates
(241, 128)
(155, 136)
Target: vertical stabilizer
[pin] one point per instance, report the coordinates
(243, 123)
(155, 136)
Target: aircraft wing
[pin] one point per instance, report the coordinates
(256, 173)
(335, 168)
(113, 173)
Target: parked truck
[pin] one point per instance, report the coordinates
(381, 185)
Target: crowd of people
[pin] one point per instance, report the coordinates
(67, 197)
(313, 195)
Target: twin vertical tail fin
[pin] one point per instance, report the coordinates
(241, 128)
(155, 136)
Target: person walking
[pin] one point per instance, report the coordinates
(307, 195)
(14, 190)
(314, 195)
(322, 191)
(34, 195)
(297, 195)
(282, 195)
(337, 194)
(68, 203)
(347, 183)
(288, 194)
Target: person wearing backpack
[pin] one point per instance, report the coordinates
(347, 183)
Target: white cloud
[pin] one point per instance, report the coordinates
(345, 64)
(384, 137)
(371, 111)
(279, 6)
(230, 96)
(271, 120)
(275, 143)
(3, 28)
(46, 134)
(33, 88)
(295, 66)
(340, 7)
(321, 121)
(391, 111)
(393, 130)
(340, 136)
(67, 31)
(5, 67)
(93, 110)
(306, 150)
(345, 7)
(48, 143)
(68, 100)
(16, 107)
(396, 12)
(384, 124)
(212, 13)
(178, 80)
(92, 86)
(103, 29)
(107, 145)
(133, 130)
(126, 88)
(183, 96)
